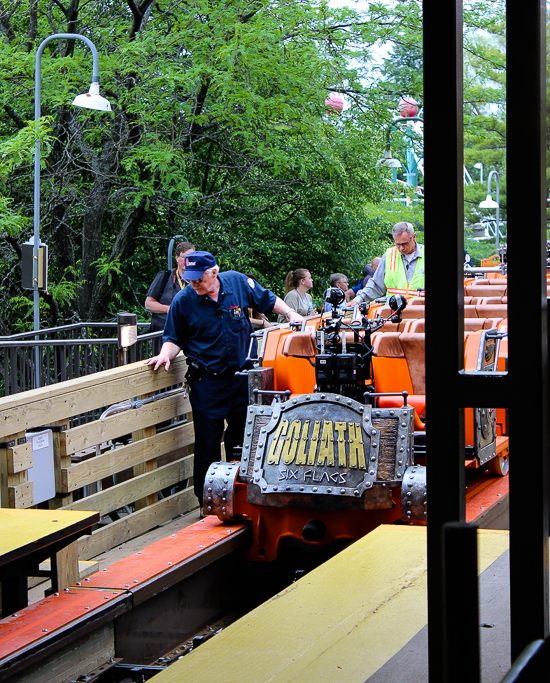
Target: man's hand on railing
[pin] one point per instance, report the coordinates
(168, 352)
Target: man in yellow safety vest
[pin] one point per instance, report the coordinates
(401, 269)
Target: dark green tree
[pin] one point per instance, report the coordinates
(218, 131)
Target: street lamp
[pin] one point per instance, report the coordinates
(489, 203)
(89, 100)
(479, 165)
(388, 161)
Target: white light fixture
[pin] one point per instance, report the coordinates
(92, 99)
(479, 166)
(127, 329)
(388, 161)
(488, 203)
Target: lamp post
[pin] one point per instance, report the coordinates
(89, 100)
(389, 161)
(489, 203)
(479, 165)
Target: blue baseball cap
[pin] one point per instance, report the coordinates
(196, 263)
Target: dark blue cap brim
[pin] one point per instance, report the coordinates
(194, 274)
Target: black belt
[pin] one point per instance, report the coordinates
(229, 372)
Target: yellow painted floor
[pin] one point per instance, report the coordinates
(341, 622)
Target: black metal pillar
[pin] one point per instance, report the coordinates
(524, 389)
(528, 348)
(444, 245)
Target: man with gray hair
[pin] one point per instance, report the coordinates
(401, 268)
(338, 280)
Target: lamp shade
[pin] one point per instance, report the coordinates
(388, 161)
(92, 99)
(488, 203)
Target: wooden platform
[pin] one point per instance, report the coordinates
(31, 536)
(342, 622)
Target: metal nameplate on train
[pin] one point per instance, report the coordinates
(312, 444)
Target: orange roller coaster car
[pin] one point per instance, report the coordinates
(335, 422)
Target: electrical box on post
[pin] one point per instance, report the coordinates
(42, 472)
(27, 269)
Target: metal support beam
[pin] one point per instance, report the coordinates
(528, 348)
(444, 244)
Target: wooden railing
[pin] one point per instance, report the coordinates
(117, 463)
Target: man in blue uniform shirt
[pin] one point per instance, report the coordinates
(209, 322)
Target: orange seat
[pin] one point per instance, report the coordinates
(398, 365)
(418, 325)
(413, 345)
(485, 290)
(473, 324)
(403, 326)
(492, 311)
(300, 344)
(417, 311)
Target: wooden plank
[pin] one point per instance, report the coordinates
(85, 568)
(341, 622)
(93, 433)
(73, 397)
(61, 460)
(119, 459)
(19, 458)
(147, 466)
(4, 497)
(129, 491)
(135, 524)
(71, 385)
(9, 478)
(21, 496)
(66, 566)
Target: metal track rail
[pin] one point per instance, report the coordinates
(137, 609)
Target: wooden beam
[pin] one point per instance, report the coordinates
(60, 401)
(61, 460)
(93, 433)
(21, 495)
(119, 459)
(65, 567)
(19, 458)
(144, 467)
(135, 524)
(14, 487)
(128, 492)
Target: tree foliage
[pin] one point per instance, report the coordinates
(218, 132)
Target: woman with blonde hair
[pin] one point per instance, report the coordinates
(297, 285)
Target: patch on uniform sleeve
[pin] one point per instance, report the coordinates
(251, 283)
